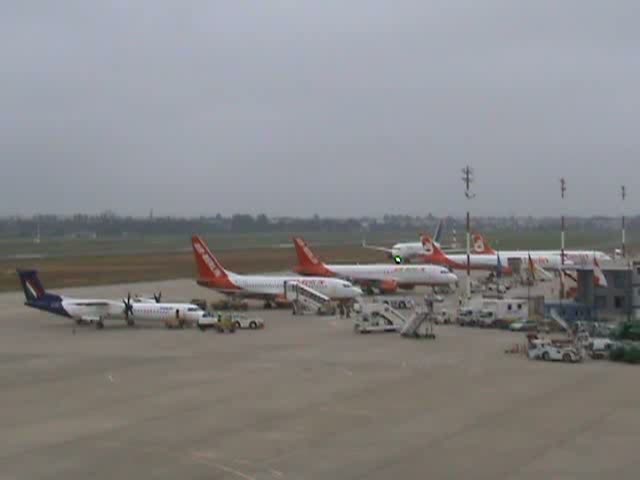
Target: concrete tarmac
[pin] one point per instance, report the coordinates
(305, 398)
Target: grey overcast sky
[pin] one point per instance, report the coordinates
(335, 107)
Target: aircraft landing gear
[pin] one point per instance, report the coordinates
(99, 325)
(131, 323)
(267, 304)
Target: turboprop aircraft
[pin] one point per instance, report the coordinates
(96, 311)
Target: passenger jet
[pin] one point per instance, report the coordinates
(571, 257)
(384, 277)
(491, 261)
(413, 252)
(212, 274)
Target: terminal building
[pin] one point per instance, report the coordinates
(619, 300)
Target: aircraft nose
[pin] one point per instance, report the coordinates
(358, 291)
(453, 278)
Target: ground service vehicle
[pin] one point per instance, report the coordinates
(217, 322)
(526, 326)
(443, 317)
(466, 317)
(548, 350)
(244, 321)
(486, 318)
(599, 348)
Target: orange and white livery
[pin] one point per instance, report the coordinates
(492, 260)
(384, 277)
(458, 261)
(542, 257)
(212, 274)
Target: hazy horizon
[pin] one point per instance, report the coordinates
(293, 108)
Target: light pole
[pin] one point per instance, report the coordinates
(467, 178)
(623, 193)
(563, 189)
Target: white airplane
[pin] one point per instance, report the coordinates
(384, 277)
(492, 261)
(412, 252)
(212, 274)
(571, 257)
(98, 310)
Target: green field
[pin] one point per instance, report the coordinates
(75, 262)
(65, 247)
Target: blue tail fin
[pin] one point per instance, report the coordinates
(31, 284)
(36, 295)
(437, 235)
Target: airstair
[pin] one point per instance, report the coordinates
(378, 317)
(420, 325)
(555, 316)
(307, 300)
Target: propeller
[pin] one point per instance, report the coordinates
(128, 306)
(157, 297)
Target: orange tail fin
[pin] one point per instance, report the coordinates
(210, 271)
(308, 263)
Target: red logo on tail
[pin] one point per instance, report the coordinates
(210, 270)
(308, 263)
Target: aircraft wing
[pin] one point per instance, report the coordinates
(373, 247)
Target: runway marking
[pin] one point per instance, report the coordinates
(110, 377)
(347, 371)
(206, 459)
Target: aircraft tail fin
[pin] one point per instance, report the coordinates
(437, 235)
(599, 280)
(308, 262)
(481, 246)
(31, 285)
(209, 268)
(432, 251)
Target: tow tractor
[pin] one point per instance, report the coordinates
(553, 350)
(218, 322)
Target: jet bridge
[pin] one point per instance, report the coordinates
(307, 300)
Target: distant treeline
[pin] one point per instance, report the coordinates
(110, 224)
